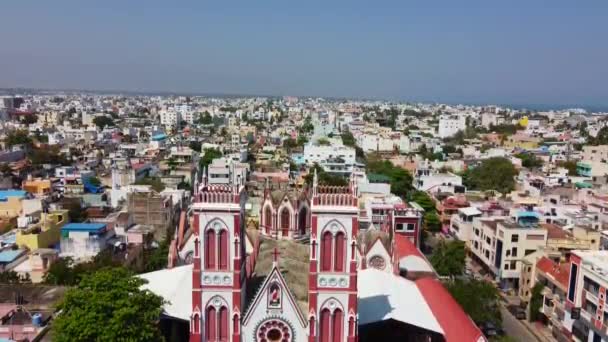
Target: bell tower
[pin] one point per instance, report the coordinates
(332, 297)
(218, 279)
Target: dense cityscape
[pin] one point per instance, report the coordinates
(194, 218)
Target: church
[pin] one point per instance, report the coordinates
(310, 272)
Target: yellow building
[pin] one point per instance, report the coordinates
(522, 141)
(11, 202)
(38, 187)
(44, 233)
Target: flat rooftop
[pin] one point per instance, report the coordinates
(84, 227)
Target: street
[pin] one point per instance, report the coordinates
(515, 328)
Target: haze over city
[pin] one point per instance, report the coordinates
(516, 52)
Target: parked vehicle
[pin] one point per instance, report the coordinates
(517, 311)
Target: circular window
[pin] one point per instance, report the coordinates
(274, 330)
(377, 262)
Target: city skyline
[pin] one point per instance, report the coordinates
(516, 54)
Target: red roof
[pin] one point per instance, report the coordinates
(404, 247)
(456, 324)
(559, 272)
(555, 232)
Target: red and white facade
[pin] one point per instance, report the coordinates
(218, 279)
(587, 287)
(332, 298)
(285, 215)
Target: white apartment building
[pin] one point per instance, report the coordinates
(450, 125)
(426, 179)
(170, 117)
(316, 153)
(500, 244)
(226, 171)
(461, 224)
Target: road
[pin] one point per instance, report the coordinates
(514, 328)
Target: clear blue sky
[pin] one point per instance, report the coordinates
(516, 51)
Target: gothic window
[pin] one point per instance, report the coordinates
(223, 324)
(211, 324)
(210, 249)
(337, 325)
(324, 327)
(268, 217)
(331, 325)
(216, 324)
(223, 250)
(339, 252)
(274, 296)
(285, 219)
(326, 252)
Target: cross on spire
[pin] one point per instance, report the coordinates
(275, 256)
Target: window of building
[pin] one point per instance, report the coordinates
(514, 252)
(591, 286)
(477, 232)
(513, 265)
(529, 251)
(507, 266)
(572, 287)
(410, 227)
(514, 238)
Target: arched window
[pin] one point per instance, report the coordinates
(337, 325)
(196, 320)
(339, 252)
(223, 324)
(324, 326)
(285, 219)
(223, 250)
(268, 217)
(210, 246)
(211, 324)
(326, 253)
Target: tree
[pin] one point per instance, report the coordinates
(94, 181)
(529, 160)
(448, 258)
(570, 166)
(307, 126)
(348, 139)
(76, 212)
(18, 137)
(13, 278)
(210, 154)
(102, 121)
(324, 178)
(478, 298)
(29, 119)
(61, 272)
(109, 306)
(196, 146)
(493, 174)
(424, 200)
(432, 222)
(401, 180)
(536, 302)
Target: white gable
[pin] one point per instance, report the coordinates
(273, 304)
(374, 254)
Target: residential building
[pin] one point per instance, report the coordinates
(83, 241)
(43, 231)
(450, 125)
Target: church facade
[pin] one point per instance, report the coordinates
(340, 283)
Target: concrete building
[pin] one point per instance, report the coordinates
(43, 231)
(500, 243)
(450, 125)
(83, 241)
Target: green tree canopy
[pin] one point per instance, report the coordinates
(324, 178)
(401, 180)
(493, 174)
(570, 166)
(424, 200)
(529, 160)
(18, 137)
(536, 302)
(154, 182)
(448, 258)
(432, 222)
(102, 121)
(109, 305)
(478, 298)
(210, 154)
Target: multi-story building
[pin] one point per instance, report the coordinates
(41, 232)
(150, 208)
(500, 243)
(586, 315)
(450, 125)
(83, 241)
